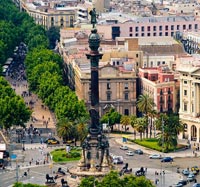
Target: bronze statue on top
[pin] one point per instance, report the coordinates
(94, 16)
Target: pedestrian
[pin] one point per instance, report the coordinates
(146, 170)
(30, 163)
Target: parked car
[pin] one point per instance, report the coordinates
(155, 156)
(181, 183)
(51, 141)
(195, 168)
(124, 147)
(190, 177)
(185, 172)
(138, 151)
(196, 185)
(167, 159)
(130, 153)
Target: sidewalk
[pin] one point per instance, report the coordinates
(179, 154)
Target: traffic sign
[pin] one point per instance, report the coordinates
(13, 157)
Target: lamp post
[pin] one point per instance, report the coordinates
(162, 173)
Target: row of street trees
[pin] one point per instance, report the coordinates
(44, 71)
(13, 110)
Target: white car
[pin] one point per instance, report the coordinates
(155, 156)
(130, 153)
(123, 147)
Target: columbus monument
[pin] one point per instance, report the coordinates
(95, 148)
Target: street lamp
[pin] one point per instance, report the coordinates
(23, 142)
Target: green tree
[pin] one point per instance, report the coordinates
(111, 117)
(125, 121)
(133, 122)
(140, 126)
(152, 114)
(169, 126)
(145, 104)
(113, 179)
(82, 128)
(64, 128)
(53, 33)
(20, 184)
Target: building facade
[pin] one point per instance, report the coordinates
(148, 26)
(160, 85)
(117, 88)
(189, 69)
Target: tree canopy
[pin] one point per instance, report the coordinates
(13, 110)
(113, 180)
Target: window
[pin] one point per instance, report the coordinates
(185, 82)
(172, 34)
(125, 85)
(178, 27)
(161, 92)
(136, 34)
(149, 34)
(130, 35)
(108, 86)
(184, 27)
(142, 34)
(161, 108)
(163, 62)
(90, 86)
(172, 27)
(158, 63)
(166, 27)
(136, 55)
(185, 92)
(169, 91)
(148, 28)
(154, 34)
(166, 33)
(108, 96)
(154, 28)
(126, 96)
(196, 26)
(130, 29)
(160, 28)
(136, 29)
(192, 107)
(160, 34)
(71, 21)
(190, 26)
(185, 107)
(126, 112)
(142, 28)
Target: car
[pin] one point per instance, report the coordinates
(167, 159)
(124, 147)
(138, 151)
(196, 185)
(190, 177)
(118, 160)
(130, 153)
(195, 168)
(155, 156)
(51, 141)
(185, 172)
(178, 184)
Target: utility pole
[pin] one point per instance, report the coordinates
(17, 171)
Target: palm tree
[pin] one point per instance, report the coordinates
(125, 121)
(152, 114)
(64, 128)
(133, 119)
(145, 104)
(140, 126)
(82, 128)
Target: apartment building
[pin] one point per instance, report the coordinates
(160, 84)
(49, 14)
(122, 25)
(189, 69)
